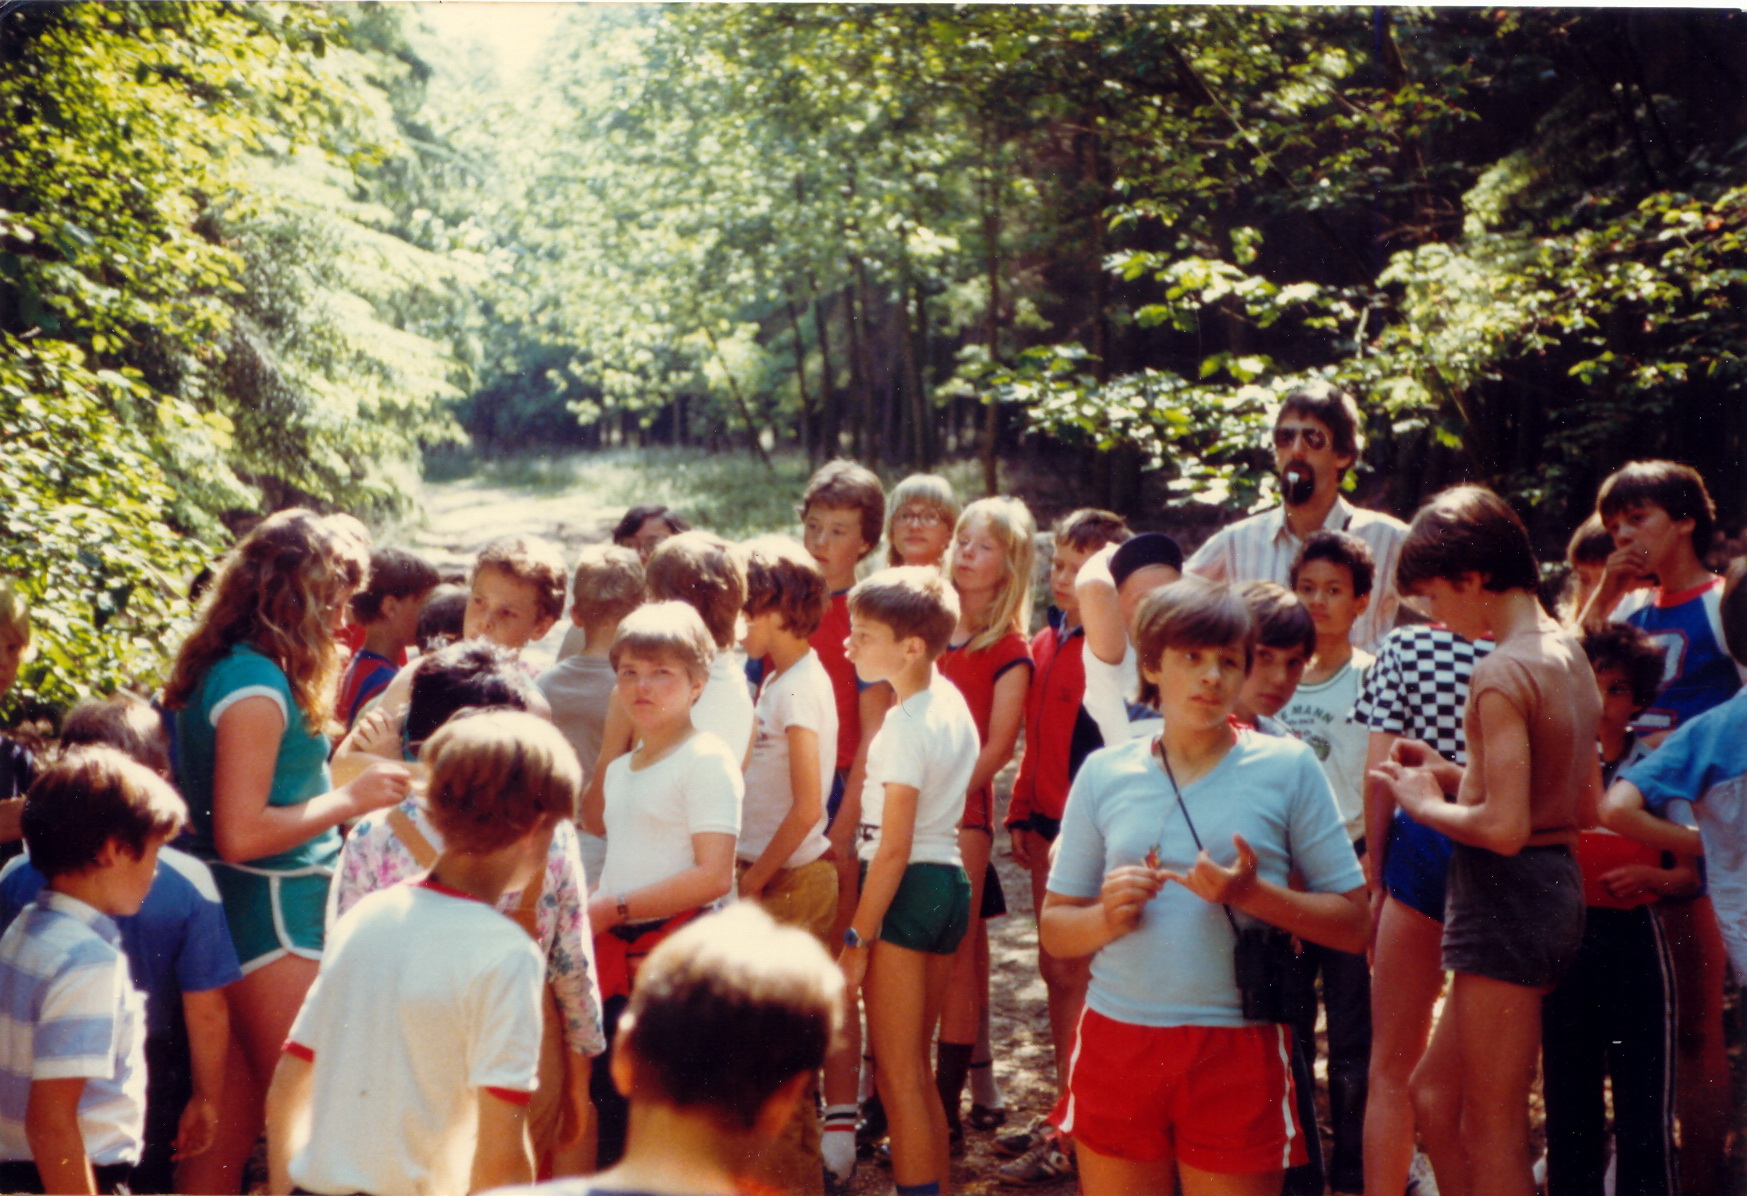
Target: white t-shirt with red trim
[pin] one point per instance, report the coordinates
(425, 996)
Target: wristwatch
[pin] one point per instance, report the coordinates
(852, 939)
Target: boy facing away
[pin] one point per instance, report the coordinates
(914, 906)
(410, 1067)
(731, 1018)
(73, 1075)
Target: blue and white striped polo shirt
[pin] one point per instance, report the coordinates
(69, 1010)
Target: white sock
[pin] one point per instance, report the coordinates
(837, 1142)
(984, 1090)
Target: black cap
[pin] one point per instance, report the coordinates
(1148, 548)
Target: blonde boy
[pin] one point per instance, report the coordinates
(915, 898)
(426, 1016)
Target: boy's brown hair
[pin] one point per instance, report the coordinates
(1281, 619)
(704, 571)
(1622, 646)
(666, 629)
(1191, 613)
(125, 722)
(1338, 548)
(782, 576)
(1734, 610)
(532, 560)
(92, 796)
(1089, 529)
(1590, 544)
(443, 618)
(728, 1010)
(845, 486)
(1676, 488)
(496, 776)
(608, 584)
(913, 600)
(1467, 529)
(394, 573)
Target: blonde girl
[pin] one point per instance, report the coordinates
(252, 692)
(991, 563)
(919, 523)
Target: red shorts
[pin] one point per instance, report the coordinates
(1218, 1098)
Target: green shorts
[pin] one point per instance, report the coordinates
(272, 915)
(931, 910)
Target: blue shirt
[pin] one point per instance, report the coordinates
(1705, 762)
(1175, 969)
(68, 1010)
(178, 942)
(1697, 670)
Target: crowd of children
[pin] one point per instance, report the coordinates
(433, 921)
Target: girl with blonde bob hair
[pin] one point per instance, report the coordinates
(920, 516)
(991, 564)
(252, 691)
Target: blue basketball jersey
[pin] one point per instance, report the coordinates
(1697, 670)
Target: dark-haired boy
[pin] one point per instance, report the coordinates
(729, 1021)
(1704, 761)
(1285, 642)
(1110, 586)
(72, 1073)
(1661, 517)
(1332, 576)
(388, 611)
(1059, 735)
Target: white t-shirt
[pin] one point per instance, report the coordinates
(928, 741)
(1109, 698)
(725, 707)
(425, 996)
(1320, 715)
(801, 696)
(652, 813)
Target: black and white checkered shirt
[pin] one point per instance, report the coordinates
(1418, 687)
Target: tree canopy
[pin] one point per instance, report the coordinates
(257, 253)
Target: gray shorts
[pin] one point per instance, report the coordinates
(1516, 918)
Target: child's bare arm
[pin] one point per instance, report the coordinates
(502, 1156)
(1500, 821)
(710, 878)
(1072, 927)
(803, 814)
(615, 742)
(1623, 812)
(288, 1098)
(51, 1127)
(873, 703)
(1100, 612)
(207, 1018)
(1006, 716)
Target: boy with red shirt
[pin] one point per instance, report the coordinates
(1059, 734)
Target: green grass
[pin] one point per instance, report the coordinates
(731, 493)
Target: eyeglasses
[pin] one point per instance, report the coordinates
(1315, 439)
(920, 516)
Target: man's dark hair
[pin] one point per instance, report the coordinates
(1335, 408)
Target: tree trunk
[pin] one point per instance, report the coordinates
(806, 429)
(830, 408)
(752, 427)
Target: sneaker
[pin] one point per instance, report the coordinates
(835, 1186)
(1017, 1142)
(986, 1117)
(1044, 1163)
(1420, 1180)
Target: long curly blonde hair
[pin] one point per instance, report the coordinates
(277, 591)
(1009, 521)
